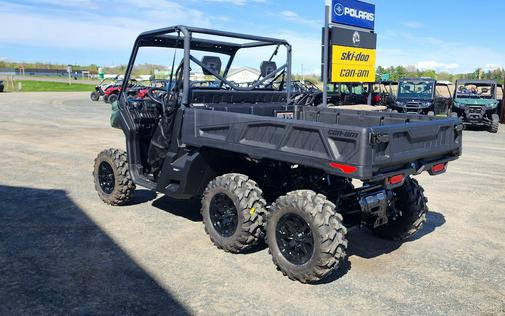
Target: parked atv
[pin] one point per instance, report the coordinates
(475, 101)
(103, 86)
(264, 168)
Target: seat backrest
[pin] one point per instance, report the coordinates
(211, 62)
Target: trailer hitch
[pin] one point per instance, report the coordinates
(374, 208)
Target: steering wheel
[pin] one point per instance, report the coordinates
(156, 97)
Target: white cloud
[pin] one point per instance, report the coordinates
(404, 48)
(492, 67)
(296, 18)
(87, 4)
(433, 65)
(289, 14)
(92, 31)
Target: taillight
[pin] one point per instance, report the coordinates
(394, 180)
(344, 168)
(438, 168)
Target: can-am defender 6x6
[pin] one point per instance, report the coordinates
(266, 169)
(475, 101)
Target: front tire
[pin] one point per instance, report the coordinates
(305, 236)
(411, 207)
(113, 182)
(495, 123)
(95, 96)
(234, 212)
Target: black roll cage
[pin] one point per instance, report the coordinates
(185, 40)
(493, 83)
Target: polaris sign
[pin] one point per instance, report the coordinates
(353, 13)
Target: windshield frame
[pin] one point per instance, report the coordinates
(416, 96)
(476, 96)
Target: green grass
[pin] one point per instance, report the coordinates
(47, 86)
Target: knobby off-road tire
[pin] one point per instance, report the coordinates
(411, 204)
(112, 177)
(495, 123)
(106, 98)
(234, 212)
(95, 96)
(318, 223)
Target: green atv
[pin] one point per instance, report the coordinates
(475, 101)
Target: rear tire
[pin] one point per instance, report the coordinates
(305, 236)
(113, 98)
(113, 182)
(412, 209)
(495, 123)
(95, 96)
(106, 98)
(234, 212)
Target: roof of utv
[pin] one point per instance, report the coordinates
(161, 38)
(417, 79)
(477, 82)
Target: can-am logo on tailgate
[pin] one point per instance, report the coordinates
(342, 10)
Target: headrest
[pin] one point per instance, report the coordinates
(211, 62)
(267, 67)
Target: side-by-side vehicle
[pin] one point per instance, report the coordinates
(264, 167)
(476, 102)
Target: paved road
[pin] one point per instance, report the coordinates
(62, 251)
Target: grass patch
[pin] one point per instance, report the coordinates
(48, 86)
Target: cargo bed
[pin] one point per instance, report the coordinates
(356, 144)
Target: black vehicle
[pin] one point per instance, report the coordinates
(476, 102)
(2, 87)
(267, 169)
(419, 95)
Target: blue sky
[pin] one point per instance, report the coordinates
(451, 35)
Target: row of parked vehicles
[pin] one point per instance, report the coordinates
(476, 102)
(268, 165)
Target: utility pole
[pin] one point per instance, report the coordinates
(326, 40)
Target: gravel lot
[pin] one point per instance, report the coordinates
(62, 251)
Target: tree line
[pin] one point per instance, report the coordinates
(398, 72)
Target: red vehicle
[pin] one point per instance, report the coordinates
(111, 94)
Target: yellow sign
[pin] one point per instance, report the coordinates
(350, 64)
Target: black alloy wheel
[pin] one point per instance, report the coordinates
(106, 177)
(295, 239)
(223, 215)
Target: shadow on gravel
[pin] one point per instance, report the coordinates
(364, 244)
(188, 209)
(54, 260)
(142, 196)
